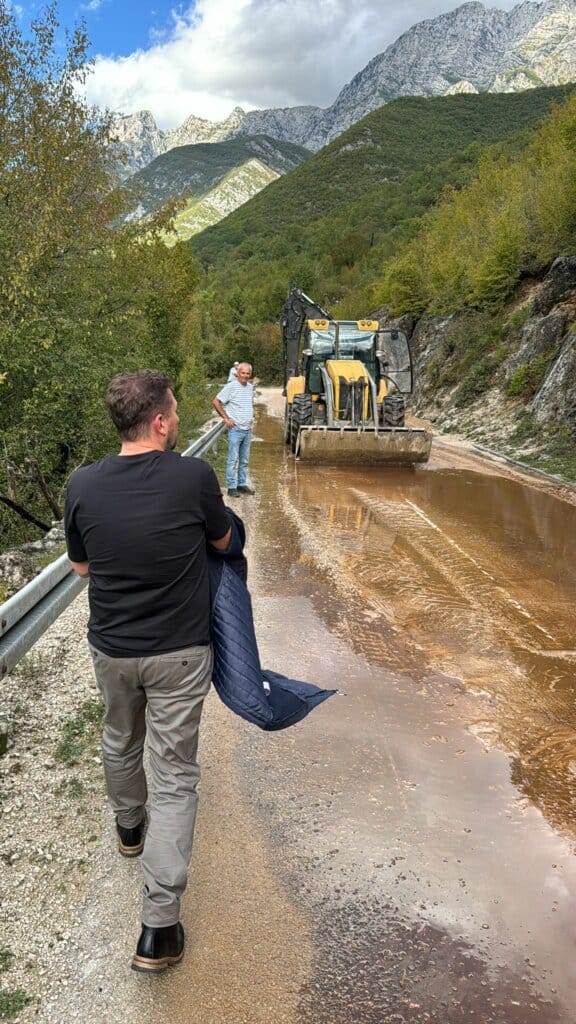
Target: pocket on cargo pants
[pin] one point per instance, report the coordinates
(176, 685)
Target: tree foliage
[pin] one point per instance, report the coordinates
(512, 220)
(79, 299)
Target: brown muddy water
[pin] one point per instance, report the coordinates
(426, 816)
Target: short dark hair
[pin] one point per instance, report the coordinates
(133, 399)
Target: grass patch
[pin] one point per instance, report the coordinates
(6, 958)
(42, 559)
(554, 450)
(80, 733)
(558, 458)
(527, 379)
(28, 670)
(480, 377)
(74, 789)
(519, 317)
(526, 429)
(12, 1003)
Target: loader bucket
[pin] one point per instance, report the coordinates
(402, 446)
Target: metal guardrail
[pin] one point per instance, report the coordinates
(553, 477)
(207, 441)
(29, 613)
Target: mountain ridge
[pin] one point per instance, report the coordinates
(372, 157)
(198, 169)
(470, 49)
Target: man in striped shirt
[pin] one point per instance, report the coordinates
(235, 404)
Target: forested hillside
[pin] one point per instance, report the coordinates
(332, 224)
(366, 165)
(517, 214)
(193, 171)
(478, 259)
(78, 300)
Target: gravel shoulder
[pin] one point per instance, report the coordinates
(71, 903)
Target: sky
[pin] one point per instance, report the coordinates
(206, 57)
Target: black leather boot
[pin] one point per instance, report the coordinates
(159, 948)
(131, 840)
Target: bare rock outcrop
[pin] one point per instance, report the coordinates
(540, 336)
(536, 375)
(16, 569)
(558, 286)
(555, 402)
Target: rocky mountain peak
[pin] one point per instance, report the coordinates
(470, 49)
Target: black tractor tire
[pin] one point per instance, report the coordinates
(287, 423)
(394, 411)
(301, 416)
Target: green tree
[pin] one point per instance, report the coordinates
(80, 299)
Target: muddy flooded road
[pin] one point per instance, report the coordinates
(425, 817)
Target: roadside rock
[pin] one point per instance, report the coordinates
(469, 396)
(556, 400)
(17, 566)
(539, 336)
(16, 569)
(558, 285)
(430, 333)
(49, 541)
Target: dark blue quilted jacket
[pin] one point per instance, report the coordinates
(238, 677)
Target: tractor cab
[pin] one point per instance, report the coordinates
(326, 341)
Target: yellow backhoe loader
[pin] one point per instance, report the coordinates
(345, 382)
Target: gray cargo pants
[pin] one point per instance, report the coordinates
(160, 698)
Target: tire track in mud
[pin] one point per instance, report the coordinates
(466, 614)
(446, 577)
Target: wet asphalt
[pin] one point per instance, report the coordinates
(421, 822)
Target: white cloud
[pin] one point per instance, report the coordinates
(254, 54)
(17, 8)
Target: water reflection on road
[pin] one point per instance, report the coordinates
(440, 811)
(476, 574)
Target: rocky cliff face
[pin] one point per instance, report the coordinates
(470, 49)
(544, 55)
(139, 140)
(471, 44)
(540, 361)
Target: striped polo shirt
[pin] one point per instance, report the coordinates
(238, 400)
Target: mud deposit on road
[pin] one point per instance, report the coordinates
(462, 573)
(248, 947)
(426, 818)
(385, 970)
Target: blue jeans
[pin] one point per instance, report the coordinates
(238, 455)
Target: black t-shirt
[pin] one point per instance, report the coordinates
(142, 522)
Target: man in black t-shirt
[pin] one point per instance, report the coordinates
(137, 524)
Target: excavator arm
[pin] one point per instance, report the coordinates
(297, 309)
